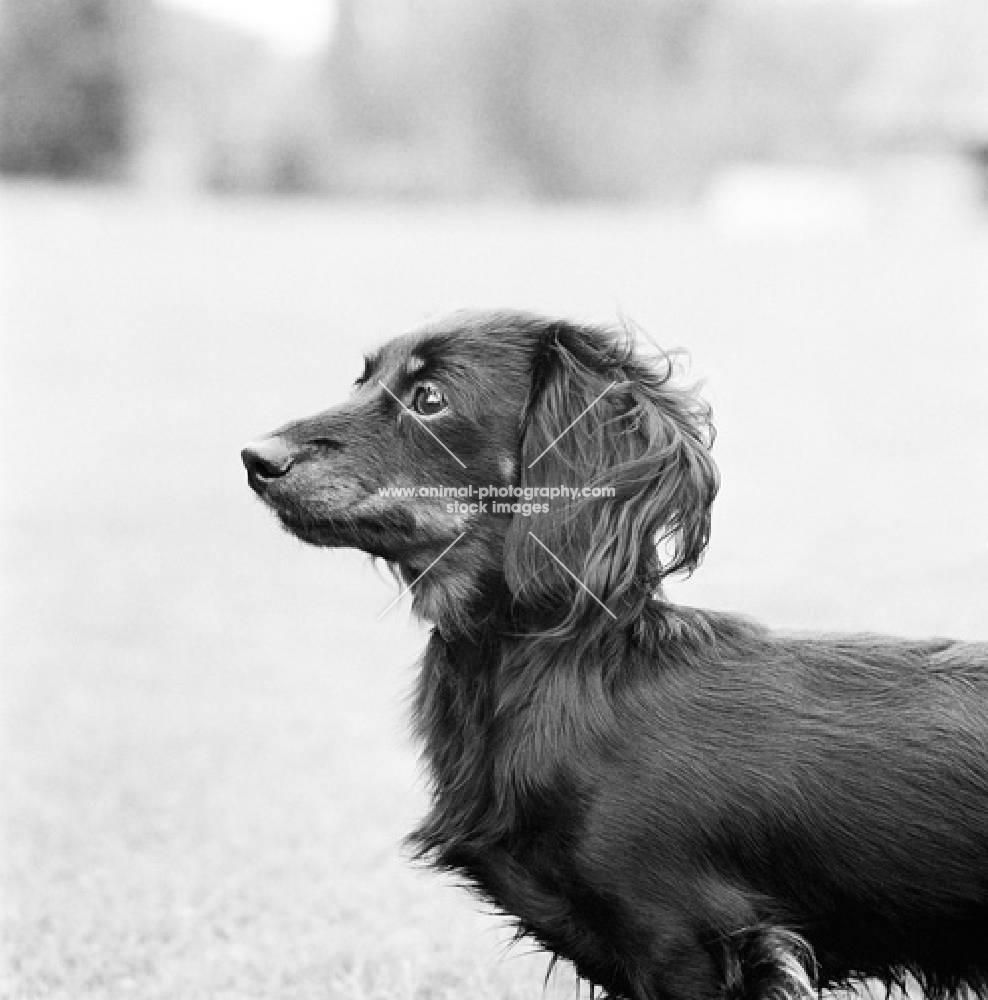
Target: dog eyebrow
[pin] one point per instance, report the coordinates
(415, 364)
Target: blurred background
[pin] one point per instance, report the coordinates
(210, 209)
(562, 99)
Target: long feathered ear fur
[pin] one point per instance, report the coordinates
(603, 421)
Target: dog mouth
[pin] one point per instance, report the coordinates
(347, 514)
(259, 484)
(388, 538)
(309, 517)
(304, 524)
(335, 532)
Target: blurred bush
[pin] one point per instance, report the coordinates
(533, 98)
(66, 86)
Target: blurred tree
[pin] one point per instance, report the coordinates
(583, 98)
(557, 99)
(550, 98)
(66, 85)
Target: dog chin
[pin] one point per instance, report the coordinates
(329, 534)
(389, 541)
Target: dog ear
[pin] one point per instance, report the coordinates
(636, 449)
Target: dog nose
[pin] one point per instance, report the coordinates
(269, 458)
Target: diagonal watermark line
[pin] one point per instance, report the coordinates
(419, 577)
(552, 443)
(575, 577)
(412, 413)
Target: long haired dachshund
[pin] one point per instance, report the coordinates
(680, 802)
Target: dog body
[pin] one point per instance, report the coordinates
(680, 802)
(695, 807)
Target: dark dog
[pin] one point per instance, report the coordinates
(680, 802)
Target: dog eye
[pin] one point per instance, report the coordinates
(428, 401)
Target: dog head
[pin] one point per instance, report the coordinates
(507, 451)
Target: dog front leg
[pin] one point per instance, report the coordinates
(769, 963)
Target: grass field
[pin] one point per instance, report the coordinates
(207, 771)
